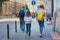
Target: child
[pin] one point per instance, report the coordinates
(28, 20)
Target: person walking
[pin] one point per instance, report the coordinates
(40, 18)
(22, 13)
(28, 20)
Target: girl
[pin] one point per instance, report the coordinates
(28, 20)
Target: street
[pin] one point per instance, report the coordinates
(20, 35)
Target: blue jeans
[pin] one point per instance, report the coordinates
(28, 29)
(41, 25)
(22, 25)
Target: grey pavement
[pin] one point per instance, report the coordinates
(20, 35)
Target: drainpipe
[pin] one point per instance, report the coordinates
(52, 7)
(54, 14)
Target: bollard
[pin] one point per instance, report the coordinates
(15, 26)
(7, 31)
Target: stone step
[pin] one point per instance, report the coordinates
(55, 36)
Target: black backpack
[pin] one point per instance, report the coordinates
(21, 14)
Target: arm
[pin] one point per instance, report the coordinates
(44, 13)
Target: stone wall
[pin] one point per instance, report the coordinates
(11, 7)
(0, 7)
(58, 16)
(58, 22)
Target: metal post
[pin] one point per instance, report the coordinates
(54, 24)
(15, 26)
(7, 31)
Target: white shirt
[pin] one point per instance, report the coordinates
(28, 19)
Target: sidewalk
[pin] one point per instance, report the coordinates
(9, 19)
(21, 36)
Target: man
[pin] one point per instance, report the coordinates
(22, 13)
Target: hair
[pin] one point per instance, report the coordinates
(23, 7)
(42, 6)
(28, 13)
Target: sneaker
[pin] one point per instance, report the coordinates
(26, 35)
(40, 35)
(23, 30)
(29, 37)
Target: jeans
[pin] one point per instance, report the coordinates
(22, 25)
(41, 25)
(28, 29)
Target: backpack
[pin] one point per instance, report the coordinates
(21, 14)
(40, 16)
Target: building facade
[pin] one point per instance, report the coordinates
(12, 6)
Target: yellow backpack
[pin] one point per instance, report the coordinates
(40, 16)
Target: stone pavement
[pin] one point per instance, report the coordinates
(20, 35)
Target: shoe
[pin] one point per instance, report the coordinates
(29, 37)
(40, 35)
(23, 31)
(26, 35)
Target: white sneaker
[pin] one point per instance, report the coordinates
(40, 35)
(29, 37)
(26, 35)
